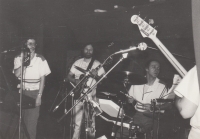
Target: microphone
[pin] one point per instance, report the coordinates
(141, 46)
(126, 50)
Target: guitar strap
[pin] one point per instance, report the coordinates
(90, 64)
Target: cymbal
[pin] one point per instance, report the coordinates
(128, 77)
(108, 94)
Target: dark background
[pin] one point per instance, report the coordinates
(62, 27)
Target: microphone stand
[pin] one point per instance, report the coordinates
(72, 118)
(122, 119)
(59, 91)
(21, 91)
(71, 92)
(154, 105)
(94, 86)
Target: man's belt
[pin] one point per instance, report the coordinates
(30, 89)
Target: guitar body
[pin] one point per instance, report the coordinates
(82, 88)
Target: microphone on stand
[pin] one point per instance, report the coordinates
(141, 46)
(126, 50)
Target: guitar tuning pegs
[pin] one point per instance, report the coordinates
(155, 27)
(139, 13)
(151, 21)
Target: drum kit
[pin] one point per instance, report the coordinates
(109, 101)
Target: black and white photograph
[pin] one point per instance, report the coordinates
(99, 69)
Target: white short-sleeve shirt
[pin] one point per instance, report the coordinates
(144, 96)
(83, 64)
(189, 88)
(38, 67)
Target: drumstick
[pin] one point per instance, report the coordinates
(130, 97)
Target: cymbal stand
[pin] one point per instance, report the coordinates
(130, 129)
(154, 106)
(158, 125)
(94, 86)
(113, 134)
(125, 85)
(72, 118)
(122, 120)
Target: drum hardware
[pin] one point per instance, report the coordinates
(108, 94)
(89, 130)
(153, 102)
(127, 125)
(133, 129)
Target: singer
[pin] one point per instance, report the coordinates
(153, 89)
(33, 84)
(86, 63)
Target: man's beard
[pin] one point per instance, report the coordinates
(88, 56)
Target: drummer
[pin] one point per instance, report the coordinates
(143, 94)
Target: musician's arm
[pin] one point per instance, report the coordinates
(17, 72)
(42, 84)
(41, 89)
(17, 67)
(131, 94)
(186, 108)
(71, 78)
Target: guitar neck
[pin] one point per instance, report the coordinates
(169, 56)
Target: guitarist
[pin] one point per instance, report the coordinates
(86, 63)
